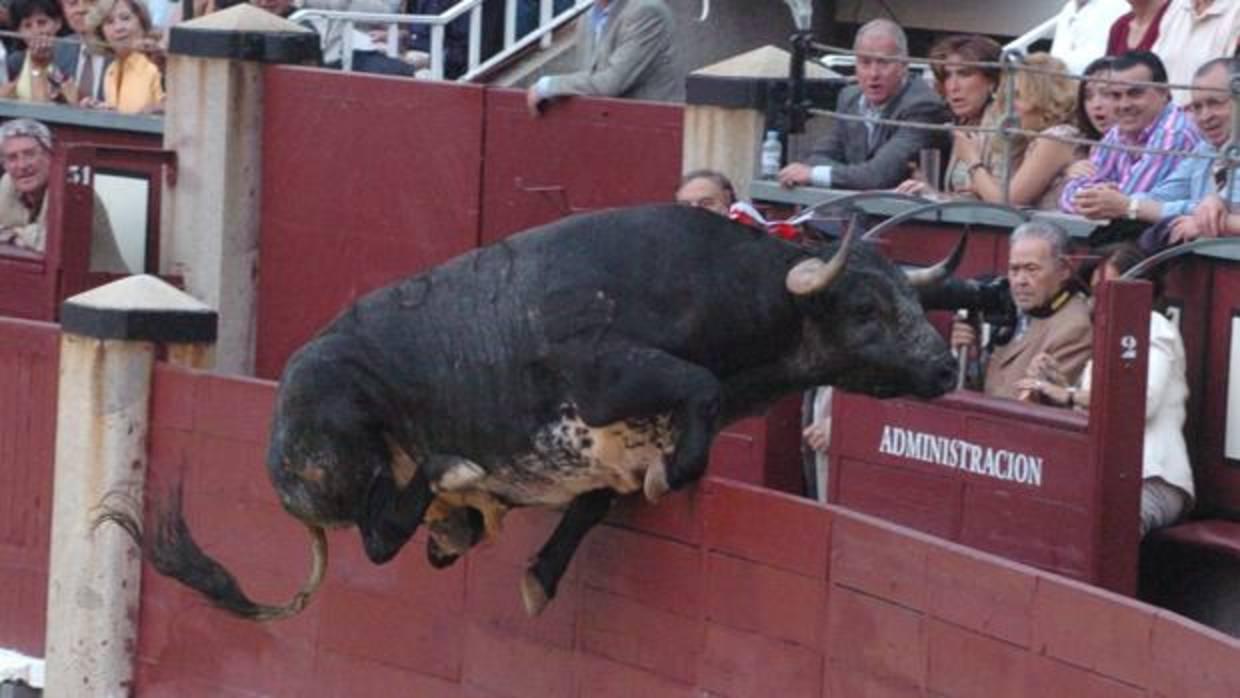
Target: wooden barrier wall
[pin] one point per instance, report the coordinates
(367, 180)
(725, 590)
(29, 360)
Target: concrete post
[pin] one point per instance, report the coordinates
(726, 108)
(213, 121)
(107, 352)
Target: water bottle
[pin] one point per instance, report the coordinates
(771, 150)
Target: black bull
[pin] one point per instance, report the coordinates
(592, 357)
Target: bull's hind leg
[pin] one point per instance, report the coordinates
(543, 576)
(627, 381)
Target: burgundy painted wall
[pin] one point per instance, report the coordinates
(407, 174)
(724, 590)
(29, 355)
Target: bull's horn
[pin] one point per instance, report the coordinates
(812, 275)
(935, 275)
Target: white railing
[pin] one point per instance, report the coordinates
(1045, 30)
(548, 22)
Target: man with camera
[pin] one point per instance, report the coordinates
(1050, 316)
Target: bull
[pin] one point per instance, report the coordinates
(567, 365)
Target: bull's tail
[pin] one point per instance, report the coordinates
(174, 553)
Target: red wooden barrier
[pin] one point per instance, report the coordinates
(29, 357)
(581, 155)
(365, 180)
(725, 590)
(1030, 483)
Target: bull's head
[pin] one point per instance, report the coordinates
(864, 328)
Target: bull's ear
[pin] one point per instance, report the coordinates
(813, 275)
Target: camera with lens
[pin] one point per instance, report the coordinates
(988, 298)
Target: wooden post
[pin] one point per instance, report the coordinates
(213, 121)
(107, 352)
(726, 108)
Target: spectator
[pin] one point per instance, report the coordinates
(1095, 104)
(968, 91)
(1192, 202)
(1193, 32)
(367, 54)
(1145, 117)
(455, 40)
(132, 83)
(26, 148)
(1079, 34)
(864, 154)
(1167, 478)
(706, 189)
(1051, 318)
(1045, 100)
(37, 73)
(85, 62)
(626, 49)
(1137, 30)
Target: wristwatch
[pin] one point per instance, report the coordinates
(1133, 203)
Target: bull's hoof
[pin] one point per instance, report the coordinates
(437, 556)
(655, 484)
(533, 596)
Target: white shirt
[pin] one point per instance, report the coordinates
(1081, 31)
(1186, 39)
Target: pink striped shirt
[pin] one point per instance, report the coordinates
(1136, 173)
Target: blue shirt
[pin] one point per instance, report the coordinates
(1190, 182)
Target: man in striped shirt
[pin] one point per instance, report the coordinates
(1146, 117)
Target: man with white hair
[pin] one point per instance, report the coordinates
(26, 148)
(866, 154)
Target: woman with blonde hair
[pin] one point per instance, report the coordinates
(1045, 102)
(132, 83)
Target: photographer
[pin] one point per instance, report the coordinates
(1050, 317)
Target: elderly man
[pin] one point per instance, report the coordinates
(868, 155)
(26, 146)
(1051, 317)
(1194, 193)
(1145, 117)
(707, 189)
(626, 49)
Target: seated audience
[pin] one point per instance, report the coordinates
(38, 73)
(706, 189)
(1137, 30)
(86, 60)
(368, 54)
(1081, 31)
(1193, 32)
(1095, 114)
(1145, 117)
(26, 149)
(863, 154)
(132, 83)
(1195, 193)
(1051, 317)
(1045, 103)
(1167, 478)
(969, 92)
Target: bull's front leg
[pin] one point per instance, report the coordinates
(640, 382)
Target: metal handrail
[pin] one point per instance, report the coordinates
(1024, 41)
(548, 22)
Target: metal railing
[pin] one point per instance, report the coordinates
(347, 23)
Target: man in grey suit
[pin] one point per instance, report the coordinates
(626, 49)
(865, 155)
